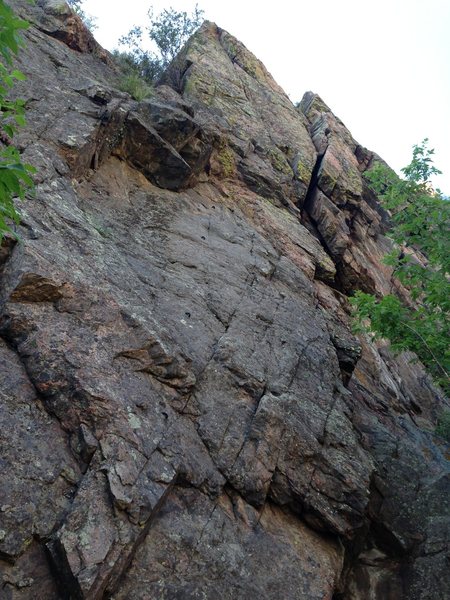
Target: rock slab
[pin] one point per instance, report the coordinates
(185, 411)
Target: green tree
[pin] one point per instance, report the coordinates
(14, 174)
(421, 261)
(168, 31)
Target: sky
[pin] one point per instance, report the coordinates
(383, 67)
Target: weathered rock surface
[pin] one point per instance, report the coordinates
(185, 411)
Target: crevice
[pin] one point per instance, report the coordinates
(67, 583)
(122, 566)
(313, 183)
(310, 223)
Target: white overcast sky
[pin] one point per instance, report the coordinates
(383, 66)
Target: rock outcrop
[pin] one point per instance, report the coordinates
(185, 411)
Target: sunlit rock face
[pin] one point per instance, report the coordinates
(185, 412)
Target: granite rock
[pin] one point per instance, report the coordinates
(186, 412)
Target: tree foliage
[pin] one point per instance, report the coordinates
(14, 174)
(421, 261)
(168, 31)
(135, 80)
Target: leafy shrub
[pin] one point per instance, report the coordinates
(168, 31)
(144, 67)
(420, 222)
(134, 85)
(14, 174)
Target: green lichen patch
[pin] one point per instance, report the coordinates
(302, 172)
(279, 161)
(225, 157)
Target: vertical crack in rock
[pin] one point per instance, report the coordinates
(308, 206)
(93, 578)
(313, 184)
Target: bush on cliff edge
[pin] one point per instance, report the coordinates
(168, 31)
(420, 223)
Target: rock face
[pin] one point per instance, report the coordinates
(185, 411)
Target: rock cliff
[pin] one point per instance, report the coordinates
(185, 412)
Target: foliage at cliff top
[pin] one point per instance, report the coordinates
(168, 31)
(421, 261)
(14, 174)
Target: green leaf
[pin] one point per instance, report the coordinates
(18, 75)
(421, 262)
(15, 176)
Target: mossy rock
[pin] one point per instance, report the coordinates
(302, 172)
(279, 161)
(327, 181)
(57, 8)
(280, 214)
(226, 159)
(197, 87)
